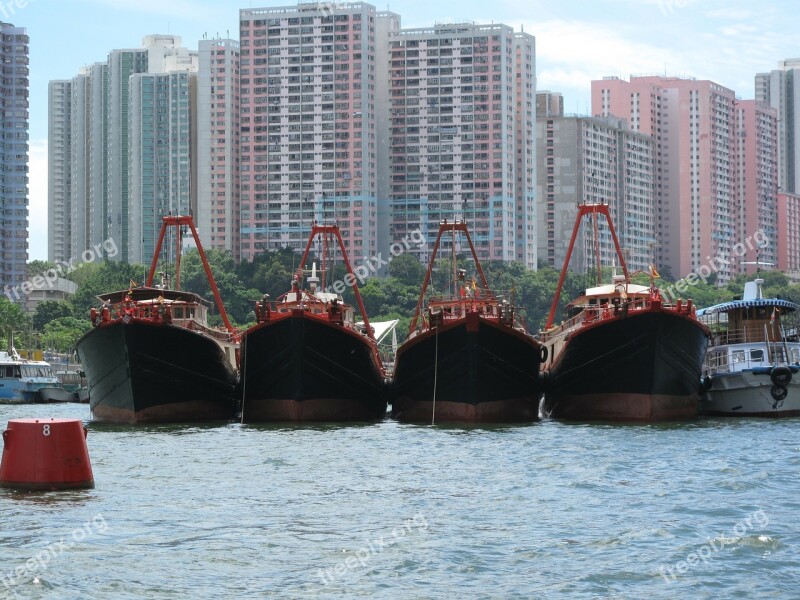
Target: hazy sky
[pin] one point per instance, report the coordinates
(727, 41)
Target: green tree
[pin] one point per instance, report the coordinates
(62, 334)
(11, 319)
(407, 269)
(50, 311)
(101, 279)
(238, 300)
(37, 267)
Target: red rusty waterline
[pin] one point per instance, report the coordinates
(45, 454)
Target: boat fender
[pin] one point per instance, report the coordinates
(781, 376)
(706, 383)
(543, 354)
(779, 392)
(93, 317)
(104, 314)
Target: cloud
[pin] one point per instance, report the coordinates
(37, 194)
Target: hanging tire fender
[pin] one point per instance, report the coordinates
(781, 376)
(543, 353)
(779, 392)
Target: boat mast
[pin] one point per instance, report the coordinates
(444, 226)
(585, 209)
(177, 222)
(334, 231)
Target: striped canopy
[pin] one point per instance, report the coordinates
(739, 304)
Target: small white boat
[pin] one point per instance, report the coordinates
(752, 366)
(21, 380)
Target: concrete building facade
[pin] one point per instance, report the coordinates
(756, 184)
(780, 89)
(788, 234)
(462, 136)
(694, 129)
(599, 160)
(14, 95)
(308, 137)
(217, 126)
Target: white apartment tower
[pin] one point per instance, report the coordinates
(780, 89)
(59, 170)
(98, 178)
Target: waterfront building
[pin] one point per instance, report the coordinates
(756, 185)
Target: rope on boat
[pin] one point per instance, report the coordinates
(435, 374)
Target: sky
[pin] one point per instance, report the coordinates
(726, 41)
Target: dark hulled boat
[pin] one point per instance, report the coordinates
(307, 359)
(151, 356)
(624, 353)
(471, 360)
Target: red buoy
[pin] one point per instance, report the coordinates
(45, 454)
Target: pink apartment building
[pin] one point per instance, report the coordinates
(788, 225)
(756, 184)
(308, 146)
(461, 127)
(217, 172)
(694, 128)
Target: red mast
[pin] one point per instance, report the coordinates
(453, 227)
(594, 210)
(178, 222)
(334, 230)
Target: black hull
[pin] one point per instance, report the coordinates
(644, 367)
(484, 373)
(156, 373)
(302, 368)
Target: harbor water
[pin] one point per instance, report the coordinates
(706, 509)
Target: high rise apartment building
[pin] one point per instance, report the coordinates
(693, 125)
(160, 149)
(461, 142)
(756, 185)
(14, 155)
(788, 236)
(308, 127)
(59, 169)
(597, 160)
(217, 126)
(780, 89)
(111, 185)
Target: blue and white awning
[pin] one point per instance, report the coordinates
(740, 304)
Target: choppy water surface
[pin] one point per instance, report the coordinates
(709, 509)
